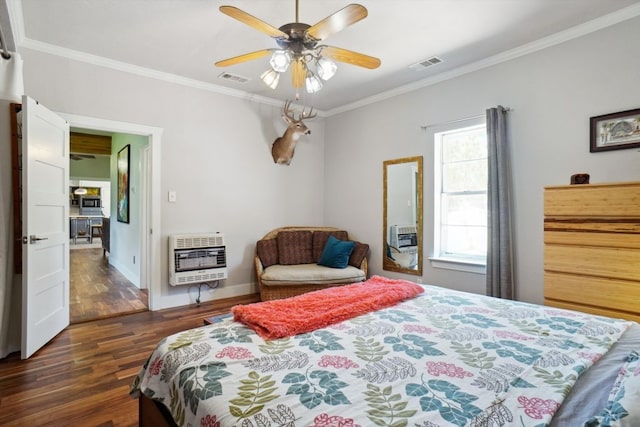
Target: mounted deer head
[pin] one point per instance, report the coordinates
(284, 146)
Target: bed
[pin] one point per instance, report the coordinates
(440, 358)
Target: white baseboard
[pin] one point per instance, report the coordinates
(224, 291)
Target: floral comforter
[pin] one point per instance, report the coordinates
(442, 358)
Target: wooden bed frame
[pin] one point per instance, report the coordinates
(153, 414)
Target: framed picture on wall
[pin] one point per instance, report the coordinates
(123, 184)
(615, 131)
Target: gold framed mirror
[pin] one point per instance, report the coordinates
(402, 215)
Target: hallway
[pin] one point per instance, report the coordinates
(98, 290)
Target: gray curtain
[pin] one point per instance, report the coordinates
(500, 277)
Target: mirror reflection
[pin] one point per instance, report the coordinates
(402, 215)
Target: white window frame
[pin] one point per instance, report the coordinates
(438, 260)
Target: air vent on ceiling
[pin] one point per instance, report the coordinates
(233, 77)
(425, 63)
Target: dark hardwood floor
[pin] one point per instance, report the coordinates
(98, 290)
(82, 377)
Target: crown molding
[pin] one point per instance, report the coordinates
(546, 42)
(17, 19)
(141, 71)
(148, 72)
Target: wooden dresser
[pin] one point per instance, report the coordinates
(592, 248)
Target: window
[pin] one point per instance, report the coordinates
(460, 226)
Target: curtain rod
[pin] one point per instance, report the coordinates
(464, 119)
(3, 45)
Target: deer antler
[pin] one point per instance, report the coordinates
(287, 112)
(309, 115)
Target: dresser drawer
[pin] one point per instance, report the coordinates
(614, 294)
(600, 200)
(599, 237)
(609, 263)
(600, 311)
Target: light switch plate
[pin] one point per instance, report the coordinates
(172, 196)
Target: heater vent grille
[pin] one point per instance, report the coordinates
(421, 65)
(233, 77)
(197, 258)
(190, 241)
(403, 236)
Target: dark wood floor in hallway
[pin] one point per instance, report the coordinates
(98, 290)
(82, 377)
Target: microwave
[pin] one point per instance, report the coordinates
(90, 202)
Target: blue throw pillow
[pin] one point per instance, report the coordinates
(336, 253)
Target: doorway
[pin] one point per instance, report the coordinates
(148, 215)
(52, 129)
(98, 288)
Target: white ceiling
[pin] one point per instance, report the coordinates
(186, 37)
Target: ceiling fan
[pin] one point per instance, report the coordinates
(298, 47)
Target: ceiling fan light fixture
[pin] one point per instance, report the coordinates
(280, 60)
(326, 68)
(270, 78)
(298, 49)
(312, 83)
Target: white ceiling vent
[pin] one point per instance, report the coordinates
(425, 63)
(233, 77)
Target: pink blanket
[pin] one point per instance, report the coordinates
(314, 310)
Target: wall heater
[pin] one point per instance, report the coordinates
(197, 258)
(403, 236)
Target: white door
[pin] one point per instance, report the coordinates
(45, 225)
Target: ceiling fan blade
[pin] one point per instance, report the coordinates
(351, 57)
(337, 22)
(253, 22)
(243, 58)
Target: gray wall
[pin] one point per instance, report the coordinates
(215, 150)
(552, 92)
(125, 237)
(215, 155)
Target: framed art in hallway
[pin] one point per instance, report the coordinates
(615, 131)
(123, 184)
